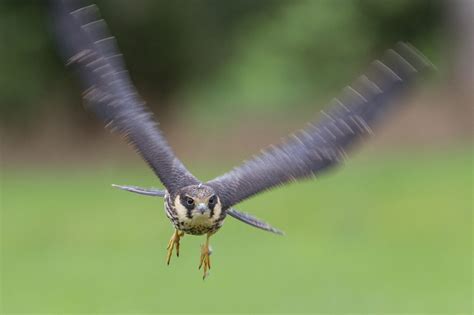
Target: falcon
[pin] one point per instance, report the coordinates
(196, 207)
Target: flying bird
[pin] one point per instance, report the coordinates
(196, 207)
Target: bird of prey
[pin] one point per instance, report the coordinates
(200, 208)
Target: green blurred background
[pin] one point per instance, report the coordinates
(390, 232)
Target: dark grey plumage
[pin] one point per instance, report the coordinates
(142, 191)
(108, 91)
(253, 221)
(319, 146)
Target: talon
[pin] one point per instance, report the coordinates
(173, 242)
(205, 260)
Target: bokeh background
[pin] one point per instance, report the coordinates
(390, 232)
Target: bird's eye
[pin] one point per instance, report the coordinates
(212, 200)
(189, 201)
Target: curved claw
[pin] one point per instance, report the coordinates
(173, 243)
(205, 260)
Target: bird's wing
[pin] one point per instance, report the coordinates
(253, 221)
(319, 146)
(85, 43)
(154, 192)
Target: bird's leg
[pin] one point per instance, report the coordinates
(174, 242)
(205, 256)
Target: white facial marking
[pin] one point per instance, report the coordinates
(180, 210)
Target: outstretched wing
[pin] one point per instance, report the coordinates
(85, 43)
(320, 146)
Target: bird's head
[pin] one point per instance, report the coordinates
(198, 200)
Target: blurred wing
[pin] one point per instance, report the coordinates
(320, 146)
(108, 91)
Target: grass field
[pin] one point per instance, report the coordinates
(385, 234)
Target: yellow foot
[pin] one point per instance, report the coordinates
(205, 257)
(174, 242)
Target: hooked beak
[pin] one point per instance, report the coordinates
(202, 208)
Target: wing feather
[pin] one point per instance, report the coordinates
(108, 91)
(142, 191)
(322, 145)
(253, 221)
